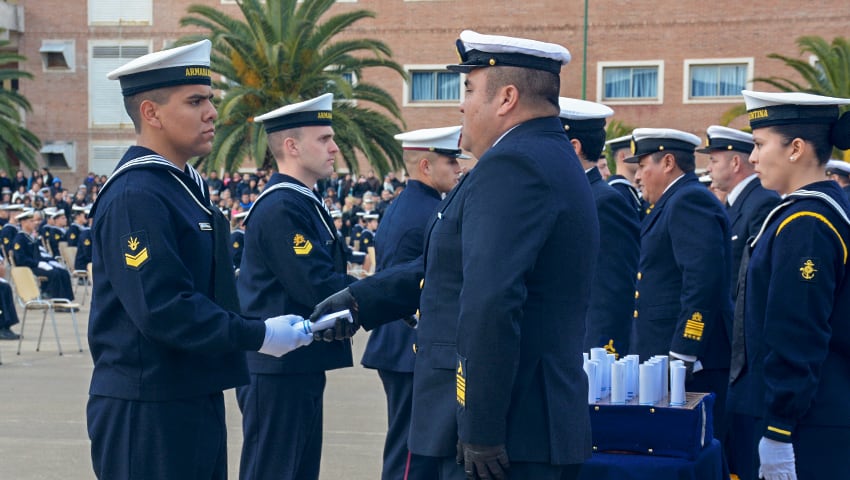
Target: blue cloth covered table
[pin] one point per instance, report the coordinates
(708, 465)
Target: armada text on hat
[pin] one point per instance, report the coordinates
(314, 112)
(185, 65)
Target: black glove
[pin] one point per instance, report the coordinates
(483, 461)
(411, 321)
(342, 329)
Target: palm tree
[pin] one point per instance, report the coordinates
(282, 52)
(615, 129)
(16, 142)
(828, 75)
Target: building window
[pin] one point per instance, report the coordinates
(57, 55)
(635, 82)
(106, 104)
(104, 157)
(120, 12)
(59, 155)
(432, 85)
(717, 80)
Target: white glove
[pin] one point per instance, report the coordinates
(44, 266)
(777, 460)
(282, 335)
(55, 264)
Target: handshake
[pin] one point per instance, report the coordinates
(288, 332)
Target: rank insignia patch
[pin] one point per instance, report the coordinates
(694, 327)
(808, 269)
(135, 248)
(460, 377)
(301, 245)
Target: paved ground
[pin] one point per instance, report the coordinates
(43, 397)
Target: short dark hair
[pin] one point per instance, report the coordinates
(816, 134)
(592, 142)
(159, 96)
(686, 161)
(541, 87)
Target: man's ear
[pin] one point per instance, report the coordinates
(508, 99)
(149, 113)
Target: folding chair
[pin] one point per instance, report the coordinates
(29, 295)
(69, 257)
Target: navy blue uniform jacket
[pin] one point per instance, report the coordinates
(83, 257)
(797, 316)
(682, 296)
(237, 245)
(292, 260)
(629, 192)
(155, 331)
(400, 238)
(609, 318)
(502, 309)
(745, 218)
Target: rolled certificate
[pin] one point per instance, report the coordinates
(677, 385)
(590, 368)
(600, 355)
(665, 378)
(632, 376)
(646, 392)
(326, 321)
(618, 383)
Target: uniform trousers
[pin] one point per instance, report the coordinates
(398, 461)
(58, 284)
(8, 314)
(281, 426)
(819, 451)
(184, 439)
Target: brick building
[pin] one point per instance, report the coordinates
(665, 64)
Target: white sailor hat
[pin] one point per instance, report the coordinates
(316, 111)
(6, 190)
(838, 167)
(78, 208)
(765, 109)
(336, 214)
(725, 138)
(49, 211)
(651, 140)
(371, 216)
(58, 213)
(443, 140)
(477, 50)
(27, 213)
(186, 65)
(620, 142)
(581, 115)
(13, 207)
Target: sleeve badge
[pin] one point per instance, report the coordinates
(235, 245)
(460, 379)
(694, 327)
(300, 245)
(135, 248)
(87, 242)
(808, 269)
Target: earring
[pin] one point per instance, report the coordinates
(791, 158)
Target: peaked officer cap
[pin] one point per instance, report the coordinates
(443, 140)
(651, 140)
(477, 50)
(725, 138)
